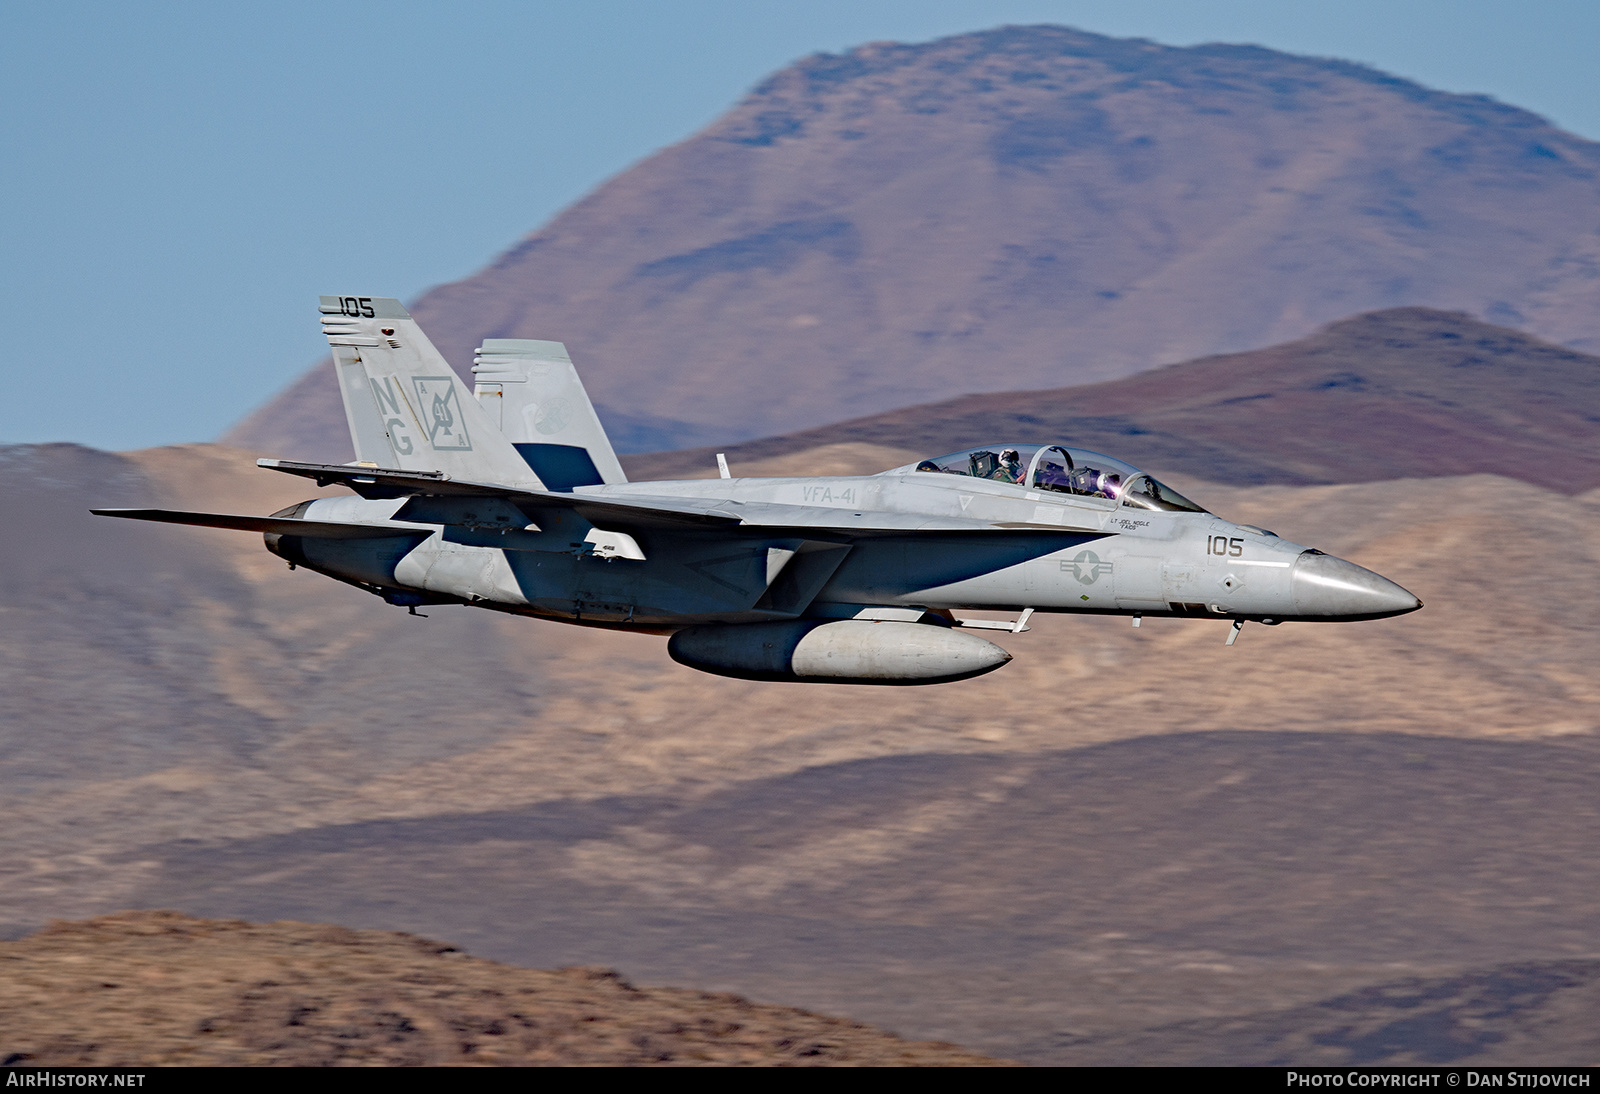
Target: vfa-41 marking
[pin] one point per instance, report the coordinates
(509, 497)
(829, 493)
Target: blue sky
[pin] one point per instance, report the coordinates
(180, 180)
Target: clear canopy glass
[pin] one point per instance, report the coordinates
(1145, 492)
(1061, 470)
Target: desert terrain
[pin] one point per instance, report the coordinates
(158, 988)
(1393, 394)
(1337, 843)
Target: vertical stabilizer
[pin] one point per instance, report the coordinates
(531, 391)
(406, 407)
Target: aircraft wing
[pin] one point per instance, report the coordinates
(283, 526)
(649, 509)
(382, 482)
(387, 482)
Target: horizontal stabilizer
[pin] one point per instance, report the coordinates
(283, 526)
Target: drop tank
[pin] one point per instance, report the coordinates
(848, 651)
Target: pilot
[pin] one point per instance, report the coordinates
(1010, 469)
(1110, 485)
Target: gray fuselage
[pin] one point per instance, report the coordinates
(1056, 553)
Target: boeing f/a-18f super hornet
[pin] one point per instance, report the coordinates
(510, 497)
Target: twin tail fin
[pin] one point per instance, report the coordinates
(531, 391)
(528, 423)
(406, 407)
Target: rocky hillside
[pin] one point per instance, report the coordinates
(158, 988)
(1354, 842)
(1023, 208)
(1402, 393)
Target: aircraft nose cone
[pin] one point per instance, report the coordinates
(1331, 588)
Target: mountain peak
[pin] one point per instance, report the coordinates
(1023, 207)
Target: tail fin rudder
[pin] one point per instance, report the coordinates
(406, 407)
(532, 392)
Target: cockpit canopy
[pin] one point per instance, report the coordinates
(1061, 470)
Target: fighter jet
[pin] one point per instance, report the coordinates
(510, 497)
